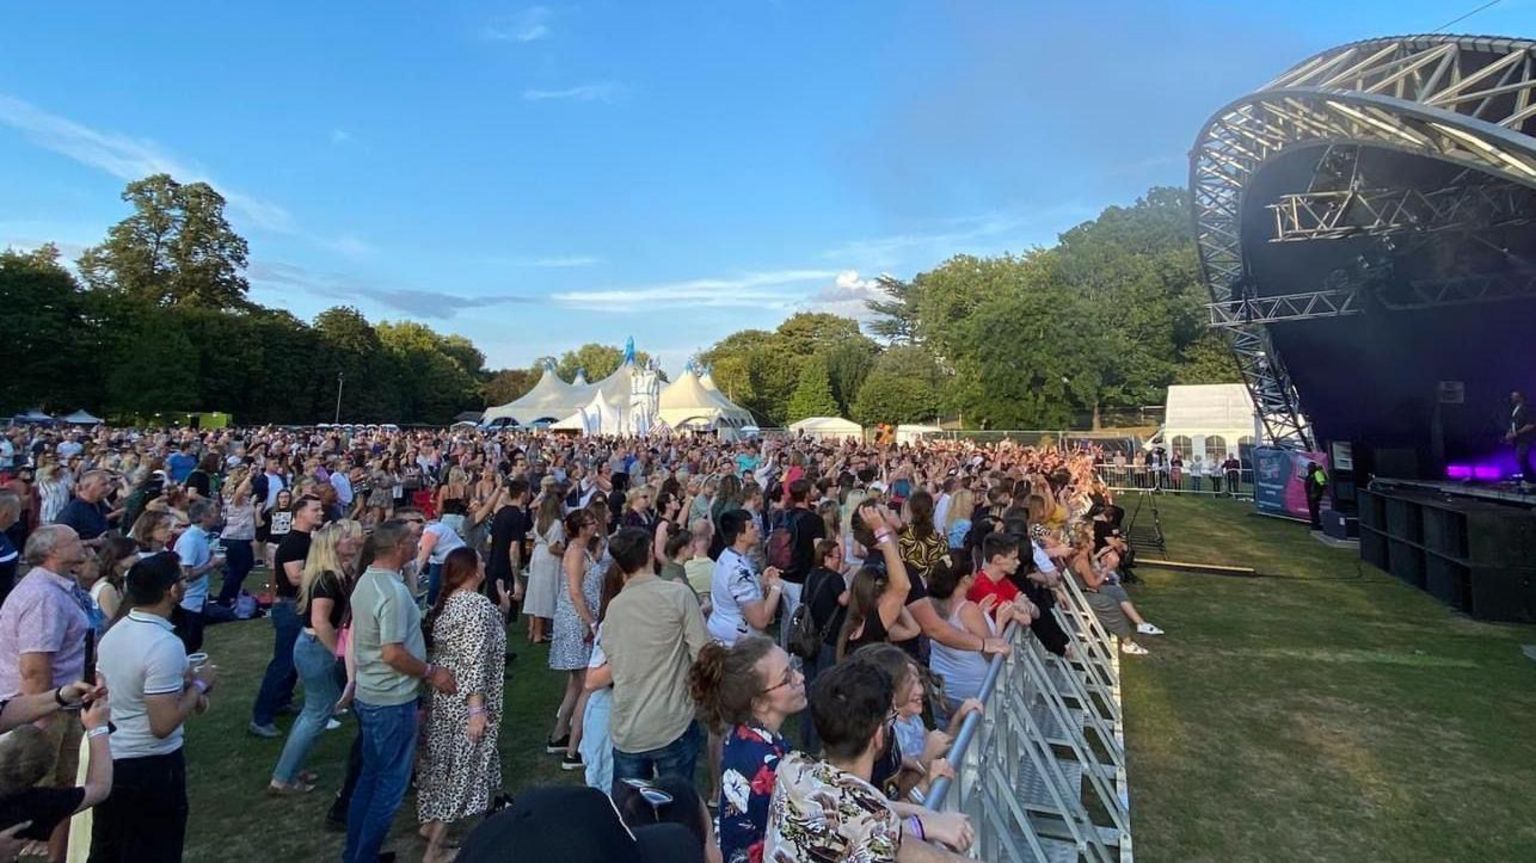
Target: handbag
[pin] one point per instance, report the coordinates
(805, 637)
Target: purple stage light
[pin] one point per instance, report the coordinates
(1459, 471)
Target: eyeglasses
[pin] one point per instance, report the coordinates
(790, 676)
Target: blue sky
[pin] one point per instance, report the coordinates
(539, 176)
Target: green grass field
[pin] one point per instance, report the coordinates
(1325, 713)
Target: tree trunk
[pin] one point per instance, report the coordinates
(1097, 423)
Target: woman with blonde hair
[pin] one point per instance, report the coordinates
(544, 564)
(324, 589)
(961, 507)
(452, 504)
(152, 532)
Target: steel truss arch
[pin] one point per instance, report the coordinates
(1469, 101)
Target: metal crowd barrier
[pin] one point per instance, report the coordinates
(1041, 771)
(1132, 478)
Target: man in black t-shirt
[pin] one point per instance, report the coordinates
(508, 530)
(276, 692)
(805, 529)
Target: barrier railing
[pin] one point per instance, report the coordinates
(1041, 770)
(1220, 484)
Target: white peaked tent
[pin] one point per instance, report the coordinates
(549, 400)
(1208, 419)
(827, 429)
(81, 418)
(598, 417)
(685, 403)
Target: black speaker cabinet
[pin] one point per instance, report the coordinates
(1503, 593)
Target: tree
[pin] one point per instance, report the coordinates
(49, 360)
(176, 249)
(806, 333)
(888, 398)
(508, 385)
(813, 394)
(1208, 360)
(897, 318)
(595, 360)
(849, 361)
(432, 384)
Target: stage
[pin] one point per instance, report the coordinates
(1502, 492)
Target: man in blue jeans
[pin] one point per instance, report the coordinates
(288, 571)
(391, 662)
(652, 634)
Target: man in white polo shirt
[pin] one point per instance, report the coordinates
(145, 668)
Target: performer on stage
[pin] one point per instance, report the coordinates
(1522, 433)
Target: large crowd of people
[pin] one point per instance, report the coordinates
(766, 645)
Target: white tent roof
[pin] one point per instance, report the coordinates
(1197, 408)
(33, 416)
(81, 418)
(598, 417)
(550, 398)
(827, 427)
(685, 401)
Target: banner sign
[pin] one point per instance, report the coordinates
(1279, 486)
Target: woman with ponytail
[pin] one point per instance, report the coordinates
(746, 691)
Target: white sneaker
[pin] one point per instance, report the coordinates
(1132, 648)
(1148, 629)
(332, 724)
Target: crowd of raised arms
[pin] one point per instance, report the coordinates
(705, 603)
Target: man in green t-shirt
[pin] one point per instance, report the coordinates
(391, 658)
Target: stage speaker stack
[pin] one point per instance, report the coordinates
(1474, 555)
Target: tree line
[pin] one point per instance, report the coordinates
(157, 318)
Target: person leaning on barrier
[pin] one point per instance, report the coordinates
(850, 704)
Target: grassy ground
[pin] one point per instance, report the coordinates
(1330, 714)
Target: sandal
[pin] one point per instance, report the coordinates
(294, 790)
(308, 777)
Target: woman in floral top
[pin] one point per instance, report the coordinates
(746, 692)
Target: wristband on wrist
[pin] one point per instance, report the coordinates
(58, 695)
(916, 824)
(98, 731)
(426, 674)
(202, 687)
(477, 711)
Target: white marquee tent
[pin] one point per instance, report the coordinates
(82, 418)
(1208, 420)
(827, 429)
(685, 403)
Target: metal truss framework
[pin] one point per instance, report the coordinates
(1397, 297)
(1469, 101)
(1345, 213)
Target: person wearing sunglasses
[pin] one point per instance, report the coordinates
(746, 692)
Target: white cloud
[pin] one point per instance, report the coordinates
(600, 91)
(767, 290)
(128, 158)
(529, 25)
(340, 136)
(847, 296)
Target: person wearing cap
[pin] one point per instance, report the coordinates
(154, 691)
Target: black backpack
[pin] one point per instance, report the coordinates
(805, 637)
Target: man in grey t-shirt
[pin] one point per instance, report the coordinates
(391, 654)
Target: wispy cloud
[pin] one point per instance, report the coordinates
(418, 302)
(600, 91)
(552, 262)
(529, 25)
(340, 136)
(349, 245)
(766, 290)
(955, 235)
(128, 158)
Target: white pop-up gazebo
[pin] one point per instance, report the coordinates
(828, 429)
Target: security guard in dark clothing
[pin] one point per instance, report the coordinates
(1316, 480)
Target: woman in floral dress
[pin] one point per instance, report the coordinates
(463, 770)
(576, 604)
(747, 691)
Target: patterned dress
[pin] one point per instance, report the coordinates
(820, 812)
(462, 776)
(749, 764)
(571, 649)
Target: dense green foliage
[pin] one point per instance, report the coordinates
(159, 320)
(1101, 322)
